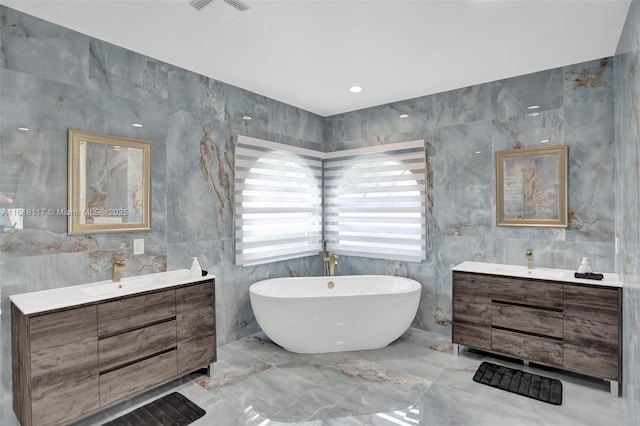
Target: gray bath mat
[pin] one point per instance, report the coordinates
(170, 410)
(517, 381)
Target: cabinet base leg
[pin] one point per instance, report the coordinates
(614, 388)
(209, 371)
(525, 363)
(456, 349)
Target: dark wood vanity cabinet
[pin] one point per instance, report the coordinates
(572, 326)
(592, 331)
(74, 362)
(472, 311)
(196, 338)
(55, 365)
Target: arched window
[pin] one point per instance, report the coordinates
(375, 202)
(278, 201)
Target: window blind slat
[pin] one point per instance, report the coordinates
(398, 155)
(260, 243)
(375, 220)
(242, 186)
(337, 190)
(382, 228)
(256, 177)
(284, 155)
(365, 207)
(353, 178)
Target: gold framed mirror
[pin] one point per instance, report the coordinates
(531, 187)
(109, 184)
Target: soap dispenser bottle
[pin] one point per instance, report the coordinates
(196, 270)
(584, 266)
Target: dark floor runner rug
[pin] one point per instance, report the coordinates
(170, 410)
(517, 381)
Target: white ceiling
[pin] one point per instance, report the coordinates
(308, 53)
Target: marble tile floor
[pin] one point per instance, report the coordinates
(414, 381)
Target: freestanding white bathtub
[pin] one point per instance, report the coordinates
(359, 312)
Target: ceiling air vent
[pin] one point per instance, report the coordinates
(199, 4)
(242, 7)
(236, 4)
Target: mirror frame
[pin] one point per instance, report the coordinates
(74, 225)
(560, 153)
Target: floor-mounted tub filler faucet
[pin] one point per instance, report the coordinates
(529, 256)
(330, 261)
(118, 266)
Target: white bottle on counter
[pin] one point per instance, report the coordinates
(196, 270)
(584, 266)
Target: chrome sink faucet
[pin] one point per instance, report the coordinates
(118, 266)
(529, 256)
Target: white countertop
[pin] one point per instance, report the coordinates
(564, 275)
(64, 297)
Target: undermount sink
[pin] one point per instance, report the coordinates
(126, 285)
(534, 273)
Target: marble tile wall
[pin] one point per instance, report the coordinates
(463, 129)
(53, 79)
(627, 181)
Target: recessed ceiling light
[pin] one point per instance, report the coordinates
(544, 141)
(23, 129)
(478, 152)
(137, 125)
(355, 89)
(533, 114)
(247, 117)
(404, 115)
(533, 107)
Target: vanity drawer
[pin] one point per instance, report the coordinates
(195, 310)
(132, 312)
(63, 365)
(474, 284)
(527, 347)
(592, 347)
(592, 358)
(527, 292)
(472, 335)
(532, 320)
(122, 383)
(472, 309)
(131, 346)
(600, 304)
(197, 352)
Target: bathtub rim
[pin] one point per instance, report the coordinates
(416, 287)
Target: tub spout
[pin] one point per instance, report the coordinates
(333, 264)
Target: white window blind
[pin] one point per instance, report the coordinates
(375, 202)
(278, 201)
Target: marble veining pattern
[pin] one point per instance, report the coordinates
(125, 73)
(415, 380)
(217, 160)
(54, 79)
(627, 185)
(463, 130)
(38, 48)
